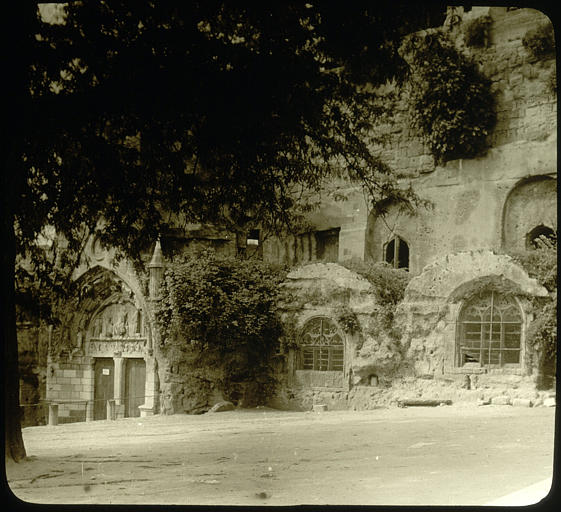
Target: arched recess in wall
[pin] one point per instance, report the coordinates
(388, 236)
(99, 293)
(530, 210)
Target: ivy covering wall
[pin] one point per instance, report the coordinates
(451, 102)
(217, 320)
(541, 337)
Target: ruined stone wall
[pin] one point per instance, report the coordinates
(468, 201)
(371, 356)
(381, 370)
(350, 216)
(526, 104)
(532, 203)
(430, 310)
(468, 197)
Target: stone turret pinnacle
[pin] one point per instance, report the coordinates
(156, 270)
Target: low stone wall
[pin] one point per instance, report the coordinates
(71, 384)
(362, 397)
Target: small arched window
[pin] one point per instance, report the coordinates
(490, 329)
(322, 345)
(396, 253)
(541, 237)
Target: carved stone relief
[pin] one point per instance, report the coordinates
(117, 328)
(119, 320)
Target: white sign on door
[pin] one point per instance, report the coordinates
(105, 371)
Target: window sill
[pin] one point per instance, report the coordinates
(514, 369)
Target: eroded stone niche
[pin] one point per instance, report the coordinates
(432, 305)
(531, 203)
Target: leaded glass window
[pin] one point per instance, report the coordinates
(490, 329)
(322, 345)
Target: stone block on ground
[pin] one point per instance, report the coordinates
(222, 406)
(319, 408)
(522, 402)
(501, 400)
(549, 402)
(422, 402)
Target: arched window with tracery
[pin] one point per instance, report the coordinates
(322, 345)
(490, 331)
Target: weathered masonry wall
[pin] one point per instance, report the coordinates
(526, 104)
(495, 200)
(487, 203)
(429, 314)
(476, 202)
(340, 223)
(377, 369)
(71, 384)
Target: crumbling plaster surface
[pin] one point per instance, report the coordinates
(468, 196)
(468, 199)
(380, 370)
(432, 302)
(441, 278)
(350, 215)
(370, 354)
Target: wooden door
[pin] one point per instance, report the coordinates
(103, 386)
(135, 378)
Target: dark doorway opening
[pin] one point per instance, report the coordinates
(103, 386)
(135, 378)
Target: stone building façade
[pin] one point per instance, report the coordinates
(463, 284)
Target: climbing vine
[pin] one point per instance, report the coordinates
(451, 101)
(347, 319)
(389, 286)
(541, 264)
(540, 41)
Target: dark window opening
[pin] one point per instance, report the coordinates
(490, 330)
(396, 253)
(327, 245)
(250, 246)
(253, 237)
(541, 237)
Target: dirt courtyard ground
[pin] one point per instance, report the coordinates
(460, 455)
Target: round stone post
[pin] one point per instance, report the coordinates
(53, 414)
(111, 409)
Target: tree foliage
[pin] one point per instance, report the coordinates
(214, 111)
(223, 309)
